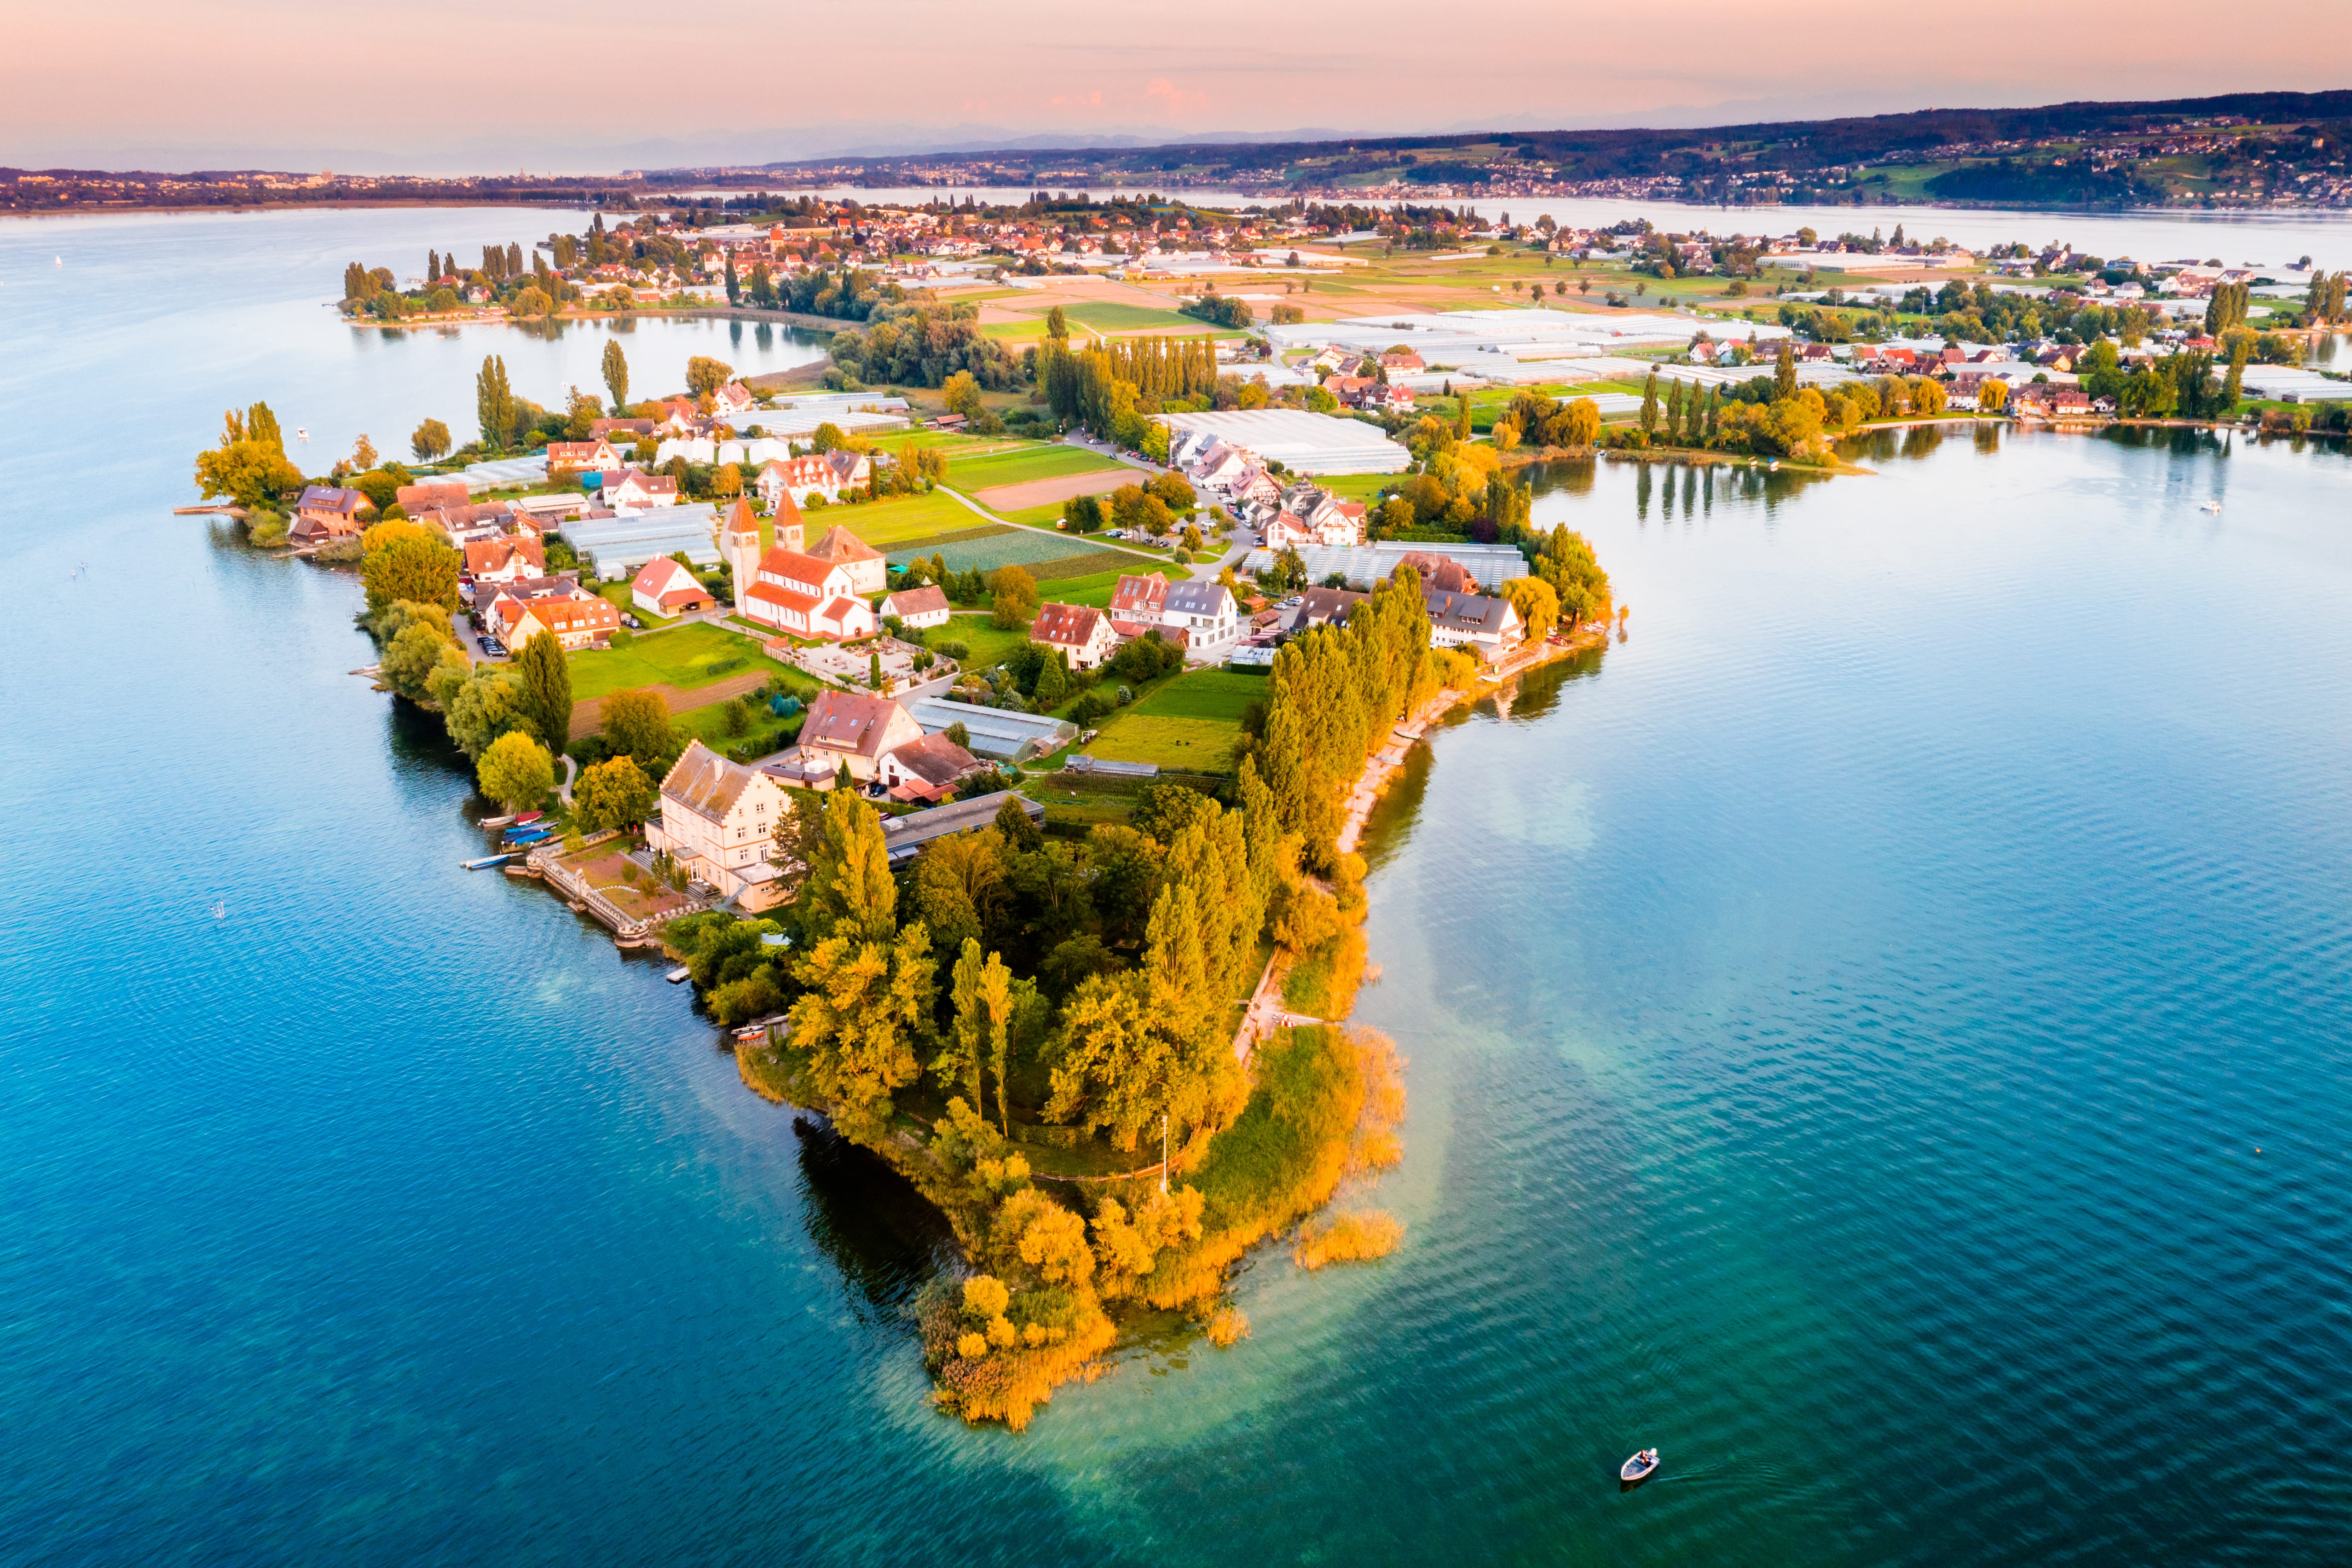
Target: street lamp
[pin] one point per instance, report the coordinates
(1163, 1151)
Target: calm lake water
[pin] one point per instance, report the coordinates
(1877, 1033)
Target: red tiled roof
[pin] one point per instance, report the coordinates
(1065, 626)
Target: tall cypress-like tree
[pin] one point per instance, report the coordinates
(616, 376)
(546, 689)
(1784, 371)
(432, 267)
(514, 259)
(493, 408)
(1675, 411)
(1650, 403)
(734, 287)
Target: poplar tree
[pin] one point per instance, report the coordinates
(1650, 403)
(546, 689)
(494, 405)
(1675, 411)
(616, 376)
(734, 288)
(1784, 371)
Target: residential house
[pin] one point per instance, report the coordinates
(929, 769)
(325, 512)
(1138, 604)
(869, 573)
(583, 455)
(1439, 572)
(1320, 606)
(631, 430)
(718, 819)
(1204, 611)
(920, 607)
(507, 558)
(1385, 399)
(850, 469)
(1486, 627)
(1349, 389)
(1081, 633)
(1312, 515)
(432, 495)
(664, 587)
(796, 479)
(578, 618)
(1403, 363)
(853, 730)
(731, 401)
(626, 489)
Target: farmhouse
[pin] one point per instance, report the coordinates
(663, 587)
(1079, 631)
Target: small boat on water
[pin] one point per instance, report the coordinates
(528, 835)
(680, 976)
(486, 862)
(2212, 506)
(300, 434)
(528, 818)
(495, 822)
(1639, 1469)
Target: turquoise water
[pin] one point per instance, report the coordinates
(1843, 1019)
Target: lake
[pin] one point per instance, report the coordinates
(1877, 1033)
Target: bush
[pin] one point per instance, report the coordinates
(1347, 1238)
(735, 714)
(952, 649)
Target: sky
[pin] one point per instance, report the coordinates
(593, 86)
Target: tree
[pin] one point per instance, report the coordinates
(961, 393)
(868, 986)
(614, 793)
(1057, 325)
(706, 374)
(637, 723)
(515, 772)
(1537, 602)
(250, 465)
(734, 286)
(1014, 597)
(362, 454)
(533, 301)
(410, 565)
(1650, 403)
(1784, 371)
(419, 650)
(616, 373)
(494, 402)
(1053, 683)
(1992, 395)
(546, 688)
(430, 441)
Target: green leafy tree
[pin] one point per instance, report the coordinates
(637, 723)
(1057, 325)
(616, 373)
(1650, 404)
(249, 466)
(960, 391)
(487, 705)
(734, 286)
(430, 442)
(704, 374)
(411, 566)
(546, 688)
(614, 794)
(515, 772)
(1014, 603)
(1784, 371)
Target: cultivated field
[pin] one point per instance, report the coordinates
(1054, 493)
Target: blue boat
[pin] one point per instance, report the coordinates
(486, 862)
(529, 835)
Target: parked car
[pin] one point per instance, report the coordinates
(634, 624)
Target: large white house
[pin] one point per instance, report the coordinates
(1312, 515)
(716, 819)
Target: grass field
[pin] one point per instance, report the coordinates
(989, 546)
(1031, 460)
(884, 524)
(685, 657)
(1217, 694)
(1194, 745)
(988, 643)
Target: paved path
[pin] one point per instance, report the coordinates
(571, 772)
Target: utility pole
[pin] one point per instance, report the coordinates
(1163, 1151)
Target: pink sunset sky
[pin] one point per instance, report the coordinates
(594, 85)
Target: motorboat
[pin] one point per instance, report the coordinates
(2212, 506)
(680, 976)
(485, 862)
(528, 818)
(300, 434)
(1639, 1469)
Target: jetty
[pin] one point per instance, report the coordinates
(225, 508)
